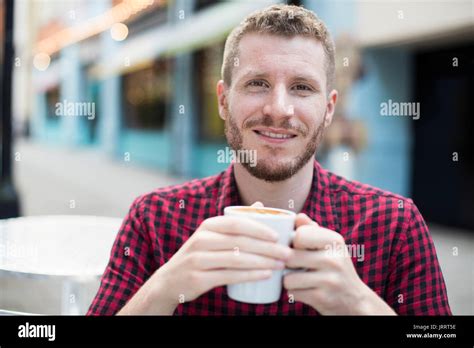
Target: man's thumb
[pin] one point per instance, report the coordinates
(303, 219)
(257, 204)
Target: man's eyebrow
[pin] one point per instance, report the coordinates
(310, 79)
(254, 74)
(258, 75)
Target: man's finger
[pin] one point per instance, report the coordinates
(311, 259)
(238, 260)
(227, 276)
(316, 237)
(257, 204)
(220, 241)
(303, 219)
(240, 226)
(304, 280)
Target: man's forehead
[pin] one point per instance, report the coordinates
(263, 54)
(255, 43)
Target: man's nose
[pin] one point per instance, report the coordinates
(278, 104)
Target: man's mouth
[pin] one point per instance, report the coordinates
(274, 136)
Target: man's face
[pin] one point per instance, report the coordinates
(277, 104)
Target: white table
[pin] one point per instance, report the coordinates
(74, 249)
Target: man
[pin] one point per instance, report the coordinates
(174, 253)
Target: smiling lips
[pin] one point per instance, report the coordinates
(274, 136)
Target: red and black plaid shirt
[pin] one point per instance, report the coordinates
(400, 262)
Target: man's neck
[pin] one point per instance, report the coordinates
(290, 194)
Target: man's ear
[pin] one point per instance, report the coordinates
(330, 108)
(222, 102)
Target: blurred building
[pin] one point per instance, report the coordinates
(153, 92)
(149, 82)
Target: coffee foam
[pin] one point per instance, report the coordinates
(264, 211)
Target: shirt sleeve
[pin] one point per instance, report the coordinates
(130, 265)
(415, 283)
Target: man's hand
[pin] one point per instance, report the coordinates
(331, 284)
(223, 250)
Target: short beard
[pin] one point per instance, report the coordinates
(281, 171)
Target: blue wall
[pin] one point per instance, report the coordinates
(204, 159)
(48, 131)
(149, 148)
(386, 162)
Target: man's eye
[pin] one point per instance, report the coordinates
(303, 88)
(256, 83)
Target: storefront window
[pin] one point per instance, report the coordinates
(208, 64)
(147, 96)
(52, 98)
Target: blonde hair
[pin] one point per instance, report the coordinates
(281, 20)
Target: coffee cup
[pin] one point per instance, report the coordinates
(266, 290)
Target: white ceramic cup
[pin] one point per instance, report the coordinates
(267, 290)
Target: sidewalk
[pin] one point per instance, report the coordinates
(48, 178)
(52, 180)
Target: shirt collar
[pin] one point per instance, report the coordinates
(318, 205)
(227, 194)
